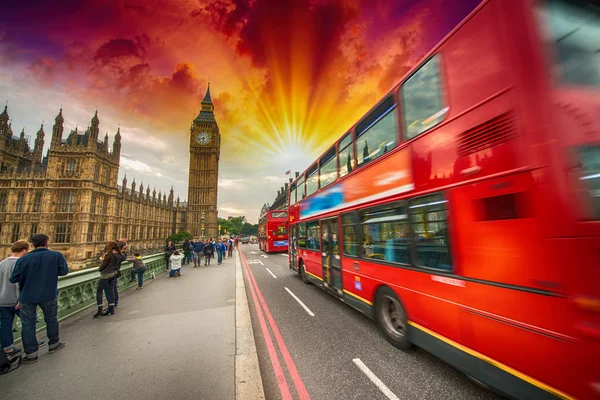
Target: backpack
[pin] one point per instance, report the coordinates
(9, 364)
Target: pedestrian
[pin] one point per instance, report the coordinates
(230, 248)
(109, 270)
(187, 251)
(123, 246)
(176, 258)
(209, 252)
(198, 252)
(169, 249)
(220, 251)
(9, 297)
(37, 275)
(138, 269)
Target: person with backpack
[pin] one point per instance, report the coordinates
(109, 269)
(187, 251)
(138, 269)
(230, 248)
(9, 297)
(209, 252)
(37, 275)
(198, 252)
(169, 249)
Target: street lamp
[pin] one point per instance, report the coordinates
(203, 220)
(219, 230)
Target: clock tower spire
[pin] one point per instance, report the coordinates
(205, 148)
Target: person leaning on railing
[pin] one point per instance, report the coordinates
(111, 263)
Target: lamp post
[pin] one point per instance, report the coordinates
(203, 220)
(219, 230)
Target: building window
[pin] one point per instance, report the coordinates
(346, 155)
(16, 233)
(3, 199)
(422, 99)
(33, 230)
(125, 232)
(312, 180)
(62, 233)
(96, 172)
(376, 134)
(66, 202)
(118, 210)
(328, 168)
(37, 202)
(351, 245)
(430, 224)
(313, 237)
(71, 166)
(386, 234)
(102, 234)
(104, 205)
(20, 201)
(90, 232)
(93, 204)
(107, 176)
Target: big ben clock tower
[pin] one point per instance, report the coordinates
(205, 147)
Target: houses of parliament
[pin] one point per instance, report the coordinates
(72, 195)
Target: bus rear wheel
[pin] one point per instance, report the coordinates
(391, 318)
(303, 273)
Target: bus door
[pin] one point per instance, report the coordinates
(293, 242)
(332, 272)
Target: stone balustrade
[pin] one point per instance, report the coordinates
(77, 290)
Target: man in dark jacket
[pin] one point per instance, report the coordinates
(37, 275)
(187, 251)
(198, 252)
(208, 251)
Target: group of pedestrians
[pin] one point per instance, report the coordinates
(28, 280)
(196, 251)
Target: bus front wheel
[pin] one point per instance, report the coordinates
(303, 273)
(391, 318)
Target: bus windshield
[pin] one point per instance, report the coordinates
(573, 29)
(589, 159)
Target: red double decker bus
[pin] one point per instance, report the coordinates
(273, 231)
(462, 212)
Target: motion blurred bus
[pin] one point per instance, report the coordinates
(462, 212)
(273, 231)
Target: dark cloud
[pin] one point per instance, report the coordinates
(121, 48)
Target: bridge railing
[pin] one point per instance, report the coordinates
(77, 290)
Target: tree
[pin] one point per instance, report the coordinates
(249, 229)
(179, 237)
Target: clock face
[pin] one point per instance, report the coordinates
(203, 138)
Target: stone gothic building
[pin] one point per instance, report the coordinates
(71, 194)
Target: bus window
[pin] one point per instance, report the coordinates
(293, 195)
(302, 235)
(346, 155)
(349, 235)
(312, 180)
(386, 234)
(422, 99)
(300, 189)
(328, 168)
(313, 238)
(429, 220)
(376, 134)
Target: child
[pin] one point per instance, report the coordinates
(176, 264)
(138, 269)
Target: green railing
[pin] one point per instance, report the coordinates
(77, 290)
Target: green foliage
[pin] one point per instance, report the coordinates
(236, 226)
(180, 237)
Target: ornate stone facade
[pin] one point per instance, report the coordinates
(205, 148)
(71, 194)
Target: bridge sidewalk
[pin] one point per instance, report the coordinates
(175, 339)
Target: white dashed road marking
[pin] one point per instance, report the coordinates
(269, 271)
(300, 302)
(390, 395)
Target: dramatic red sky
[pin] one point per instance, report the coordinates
(287, 77)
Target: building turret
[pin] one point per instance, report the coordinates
(171, 194)
(4, 121)
(93, 133)
(141, 188)
(57, 129)
(39, 144)
(148, 192)
(154, 193)
(105, 145)
(124, 182)
(133, 187)
(117, 144)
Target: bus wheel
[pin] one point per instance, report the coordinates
(303, 273)
(391, 318)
